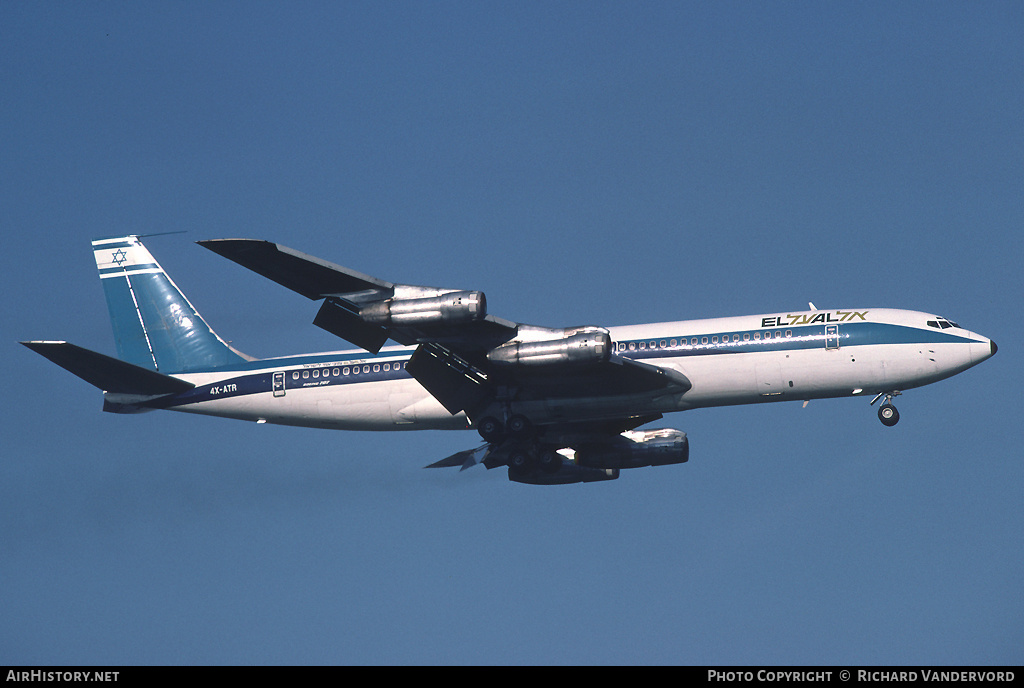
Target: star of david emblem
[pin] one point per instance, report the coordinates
(120, 256)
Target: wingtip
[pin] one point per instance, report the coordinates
(39, 344)
(215, 244)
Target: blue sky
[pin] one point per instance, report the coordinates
(598, 163)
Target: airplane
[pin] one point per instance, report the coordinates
(554, 405)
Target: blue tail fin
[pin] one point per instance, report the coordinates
(154, 324)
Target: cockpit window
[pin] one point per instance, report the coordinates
(941, 323)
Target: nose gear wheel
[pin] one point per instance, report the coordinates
(887, 413)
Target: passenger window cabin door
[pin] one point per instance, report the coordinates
(831, 336)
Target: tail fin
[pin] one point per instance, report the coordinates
(154, 324)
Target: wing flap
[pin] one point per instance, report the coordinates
(339, 319)
(454, 382)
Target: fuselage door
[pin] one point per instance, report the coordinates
(278, 384)
(831, 336)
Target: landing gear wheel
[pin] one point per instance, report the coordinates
(521, 462)
(518, 425)
(490, 429)
(550, 461)
(888, 414)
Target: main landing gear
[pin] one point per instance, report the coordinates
(491, 429)
(494, 431)
(887, 413)
(518, 440)
(526, 457)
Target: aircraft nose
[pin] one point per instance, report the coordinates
(982, 350)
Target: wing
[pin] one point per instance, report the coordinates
(467, 359)
(464, 386)
(368, 311)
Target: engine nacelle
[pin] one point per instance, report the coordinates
(582, 347)
(566, 475)
(454, 307)
(636, 449)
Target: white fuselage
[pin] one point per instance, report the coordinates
(736, 360)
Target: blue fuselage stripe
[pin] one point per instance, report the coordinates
(330, 371)
(788, 339)
(322, 370)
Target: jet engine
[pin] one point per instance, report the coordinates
(636, 449)
(583, 347)
(453, 307)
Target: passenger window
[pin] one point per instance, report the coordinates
(714, 340)
(735, 337)
(366, 368)
(704, 340)
(376, 368)
(335, 372)
(632, 346)
(345, 371)
(789, 333)
(777, 334)
(757, 335)
(746, 336)
(693, 341)
(305, 374)
(295, 375)
(662, 343)
(672, 343)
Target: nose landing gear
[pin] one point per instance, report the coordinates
(887, 413)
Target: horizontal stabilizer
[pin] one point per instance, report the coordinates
(107, 373)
